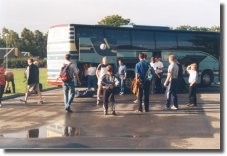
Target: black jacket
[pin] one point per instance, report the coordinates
(32, 74)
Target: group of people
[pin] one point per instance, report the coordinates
(107, 81)
(156, 84)
(32, 81)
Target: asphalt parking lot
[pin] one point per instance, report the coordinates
(49, 126)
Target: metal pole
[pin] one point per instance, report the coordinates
(6, 35)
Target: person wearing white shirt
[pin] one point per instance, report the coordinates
(91, 77)
(159, 68)
(153, 81)
(191, 69)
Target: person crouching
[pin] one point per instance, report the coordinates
(109, 83)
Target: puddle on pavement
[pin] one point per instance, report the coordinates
(48, 131)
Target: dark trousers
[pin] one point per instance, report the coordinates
(144, 91)
(192, 94)
(158, 83)
(108, 94)
(92, 82)
(2, 87)
(171, 93)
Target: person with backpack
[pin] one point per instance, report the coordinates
(68, 72)
(32, 78)
(142, 72)
(2, 83)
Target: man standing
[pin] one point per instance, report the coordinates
(100, 72)
(141, 69)
(171, 84)
(72, 73)
(122, 72)
(32, 77)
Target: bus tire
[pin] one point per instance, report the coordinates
(128, 81)
(207, 78)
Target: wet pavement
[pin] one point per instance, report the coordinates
(49, 126)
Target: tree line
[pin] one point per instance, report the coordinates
(34, 42)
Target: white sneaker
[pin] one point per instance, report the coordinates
(121, 93)
(135, 101)
(174, 108)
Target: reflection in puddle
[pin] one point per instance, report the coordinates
(49, 131)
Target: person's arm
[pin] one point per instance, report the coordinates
(188, 68)
(125, 73)
(28, 73)
(116, 81)
(169, 74)
(98, 71)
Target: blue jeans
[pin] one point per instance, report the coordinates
(144, 92)
(92, 82)
(171, 93)
(122, 87)
(68, 98)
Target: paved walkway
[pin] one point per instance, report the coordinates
(49, 126)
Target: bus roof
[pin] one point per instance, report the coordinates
(136, 27)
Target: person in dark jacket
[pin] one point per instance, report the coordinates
(32, 78)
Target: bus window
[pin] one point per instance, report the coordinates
(143, 40)
(166, 40)
(186, 40)
(118, 39)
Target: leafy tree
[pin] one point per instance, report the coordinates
(40, 43)
(114, 20)
(215, 29)
(28, 42)
(195, 28)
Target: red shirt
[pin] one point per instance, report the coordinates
(2, 76)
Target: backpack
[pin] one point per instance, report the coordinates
(149, 74)
(64, 74)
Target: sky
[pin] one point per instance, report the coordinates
(41, 14)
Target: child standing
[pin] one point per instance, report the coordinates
(109, 83)
(192, 84)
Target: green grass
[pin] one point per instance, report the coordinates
(20, 81)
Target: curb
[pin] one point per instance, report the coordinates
(22, 94)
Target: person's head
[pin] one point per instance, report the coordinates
(68, 57)
(152, 59)
(120, 62)
(104, 60)
(194, 66)
(30, 61)
(171, 58)
(109, 69)
(141, 56)
(156, 59)
(159, 58)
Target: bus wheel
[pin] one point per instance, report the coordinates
(128, 83)
(207, 78)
